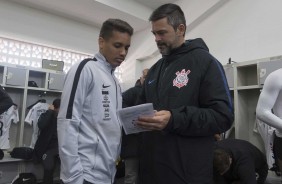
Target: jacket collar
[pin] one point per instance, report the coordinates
(101, 59)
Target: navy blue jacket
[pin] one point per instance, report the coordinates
(191, 84)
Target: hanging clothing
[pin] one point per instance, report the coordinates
(267, 136)
(6, 118)
(32, 119)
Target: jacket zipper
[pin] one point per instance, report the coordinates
(161, 76)
(119, 146)
(116, 88)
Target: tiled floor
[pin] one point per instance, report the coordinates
(273, 179)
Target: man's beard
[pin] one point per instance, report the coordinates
(164, 48)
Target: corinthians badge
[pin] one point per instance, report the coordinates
(181, 78)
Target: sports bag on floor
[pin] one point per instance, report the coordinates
(25, 178)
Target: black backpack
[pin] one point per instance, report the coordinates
(25, 178)
(22, 153)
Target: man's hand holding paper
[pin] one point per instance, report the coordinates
(129, 117)
(157, 122)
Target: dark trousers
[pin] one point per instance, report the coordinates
(49, 160)
(262, 172)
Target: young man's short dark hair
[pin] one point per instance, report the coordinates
(221, 160)
(111, 25)
(57, 103)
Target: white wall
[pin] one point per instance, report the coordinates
(27, 24)
(241, 29)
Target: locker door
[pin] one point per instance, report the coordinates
(229, 72)
(265, 68)
(1, 74)
(56, 81)
(16, 76)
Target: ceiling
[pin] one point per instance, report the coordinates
(95, 12)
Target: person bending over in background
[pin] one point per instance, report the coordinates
(89, 131)
(188, 89)
(46, 146)
(130, 143)
(269, 109)
(238, 161)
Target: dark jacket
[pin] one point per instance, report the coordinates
(191, 84)
(246, 161)
(48, 138)
(5, 100)
(130, 143)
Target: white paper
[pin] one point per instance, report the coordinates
(129, 115)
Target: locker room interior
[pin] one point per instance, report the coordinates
(245, 36)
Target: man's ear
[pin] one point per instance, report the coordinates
(181, 30)
(101, 43)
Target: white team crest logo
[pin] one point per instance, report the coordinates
(181, 78)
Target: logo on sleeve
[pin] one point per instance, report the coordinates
(151, 81)
(181, 78)
(106, 86)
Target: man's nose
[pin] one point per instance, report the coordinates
(157, 38)
(123, 52)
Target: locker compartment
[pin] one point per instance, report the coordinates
(38, 77)
(56, 81)
(1, 74)
(265, 68)
(16, 76)
(229, 72)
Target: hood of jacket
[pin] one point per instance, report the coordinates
(187, 46)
